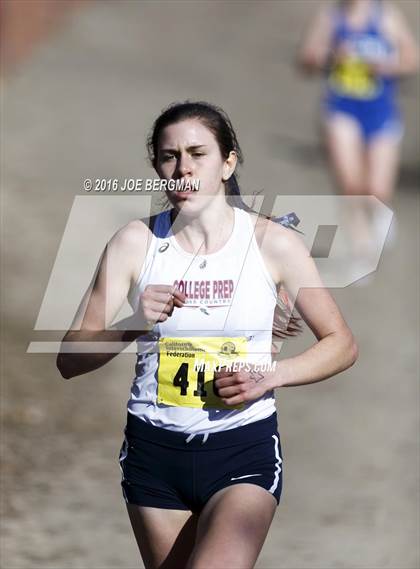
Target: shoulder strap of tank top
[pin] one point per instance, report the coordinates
(158, 226)
(338, 17)
(375, 15)
(251, 227)
(255, 248)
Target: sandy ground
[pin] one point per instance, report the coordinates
(81, 107)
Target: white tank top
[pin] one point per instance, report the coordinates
(230, 293)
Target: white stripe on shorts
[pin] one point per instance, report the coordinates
(122, 457)
(278, 467)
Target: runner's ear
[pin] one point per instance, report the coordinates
(229, 165)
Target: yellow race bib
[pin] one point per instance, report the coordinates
(187, 366)
(353, 78)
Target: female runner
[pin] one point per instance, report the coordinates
(201, 460)
(365, 46)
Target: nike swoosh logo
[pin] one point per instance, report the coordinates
(245, 476)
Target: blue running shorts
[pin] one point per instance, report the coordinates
(168, 469)
(373, 119)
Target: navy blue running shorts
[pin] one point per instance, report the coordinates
(168, 469)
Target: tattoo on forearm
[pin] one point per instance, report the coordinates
(256, 376)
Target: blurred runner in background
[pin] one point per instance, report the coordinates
(364, 47)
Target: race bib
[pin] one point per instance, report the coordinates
(354, 79)
(187, 366)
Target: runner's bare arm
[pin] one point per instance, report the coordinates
(117, 270)
(315, 49)
(335, 349)
(406, 61)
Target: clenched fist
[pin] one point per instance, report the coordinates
(157, 303)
